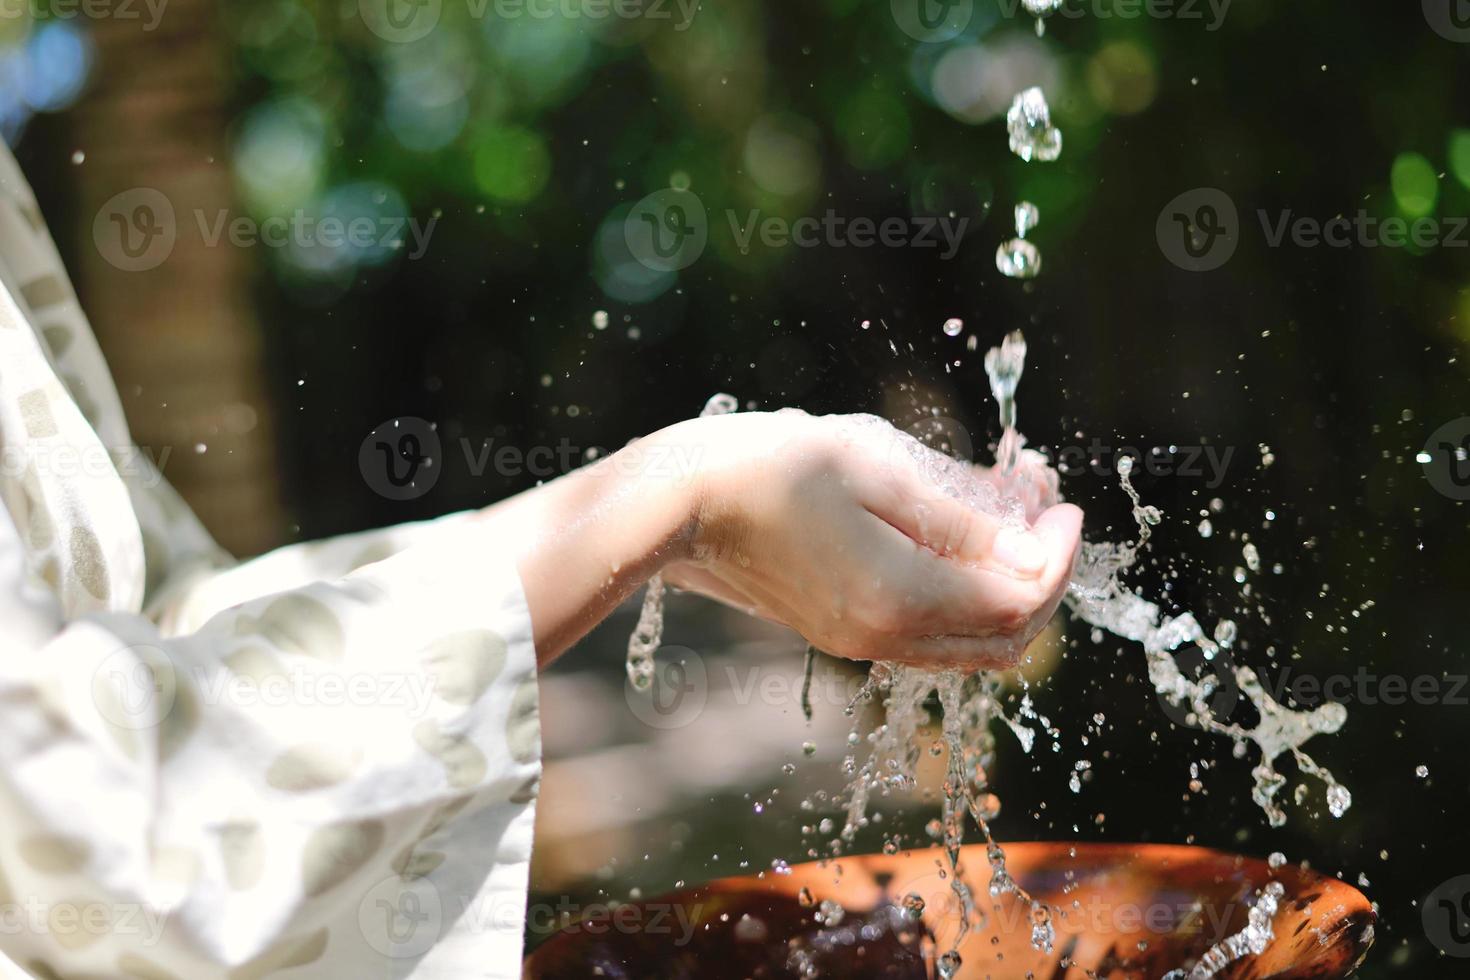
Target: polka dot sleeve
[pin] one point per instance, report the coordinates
(336, 780)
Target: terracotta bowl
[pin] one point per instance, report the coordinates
(1126, 910)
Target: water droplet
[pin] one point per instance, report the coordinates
(1225, 632)
(1206, 528)
(949, 965)
(1338, 799)
(1276, 860)
(1018, 259)
(953, 326)
(599, 319)
(804, 897)
(1032, 136)
(913, 906)
(1422, 772)
(1027, 217)
(1252, 557)
(809, 748)
(830, 913)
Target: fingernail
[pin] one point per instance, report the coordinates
(1020, 551)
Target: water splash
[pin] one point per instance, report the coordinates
(1250, 941)
(648, 634)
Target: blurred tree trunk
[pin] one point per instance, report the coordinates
(181, 338)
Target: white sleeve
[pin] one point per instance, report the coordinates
(333, 780)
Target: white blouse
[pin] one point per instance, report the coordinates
(319, 763)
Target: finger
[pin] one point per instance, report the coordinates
(985, 600)
(904, 499)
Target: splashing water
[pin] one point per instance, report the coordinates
(971, 705)
(649, 633)
(1028, 122)
(1250, 941)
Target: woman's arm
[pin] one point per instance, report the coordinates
(840, 527)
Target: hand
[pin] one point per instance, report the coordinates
(870, 545)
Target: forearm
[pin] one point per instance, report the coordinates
(588, 539)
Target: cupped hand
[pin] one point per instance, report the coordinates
(872, 546)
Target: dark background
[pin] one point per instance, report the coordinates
(1342, 361)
